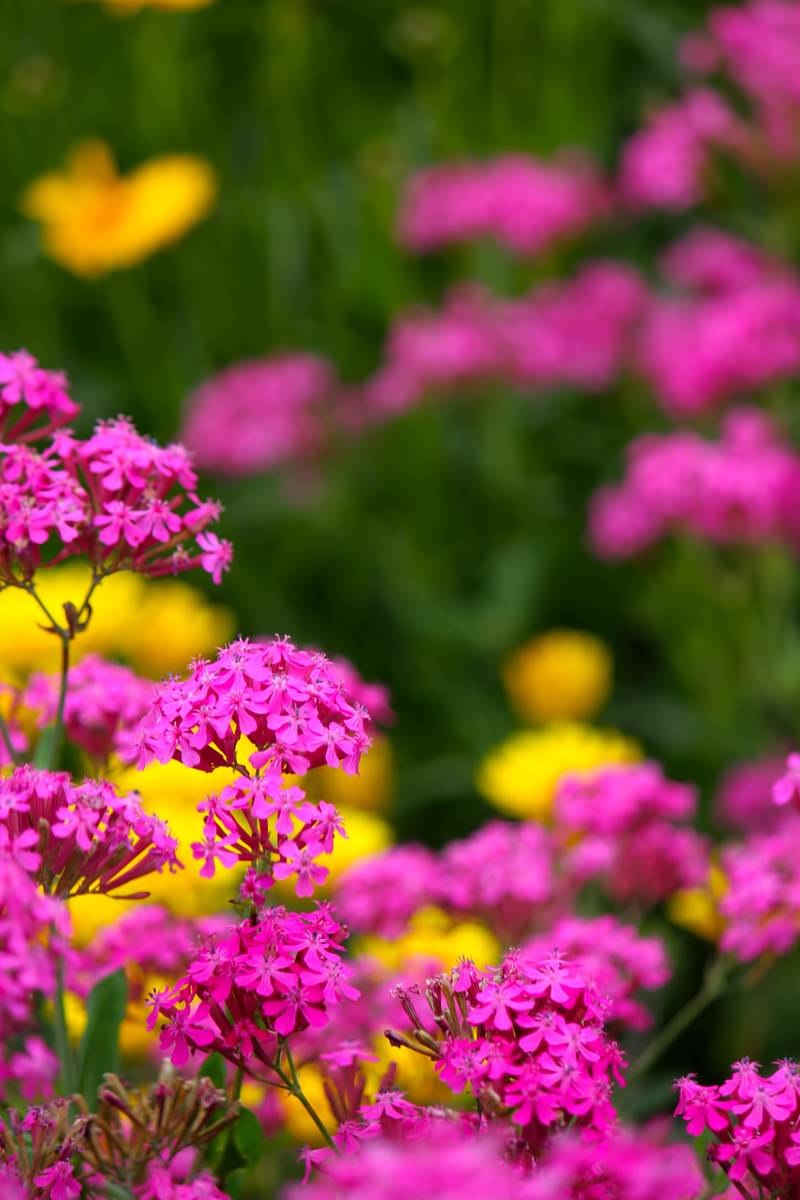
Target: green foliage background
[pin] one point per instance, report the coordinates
(428, 550)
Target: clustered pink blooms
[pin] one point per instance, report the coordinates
(743, 488)
(104, 704)
(754, 1121)
(615, 956)
(761, 903)
(627, 1165)
(758, 46)
(245, 992)
(116, 499)
(260, 413)
(696, 352)
(295, 713)
(786, 787)
(527, 1038)
(503, 874)
(525, 204)
(573, 333)
(443, 1158)
(33, 932)
(33, 402)
(150, 937)
(79, 838)
(623, 826)
(381, 893)
(665, 164)
(744, 798)
(712, 262)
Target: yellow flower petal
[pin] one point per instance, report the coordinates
(520, 776)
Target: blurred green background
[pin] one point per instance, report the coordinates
(429, 549)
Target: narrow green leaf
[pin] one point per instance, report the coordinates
(249, 1136)
(99, 1048)
(44, 747)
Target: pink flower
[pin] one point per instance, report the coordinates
(59, 1181)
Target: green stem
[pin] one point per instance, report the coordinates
(5, 734)
(63, 1048)
(58, 727)
(294, 1087)
(711, 987)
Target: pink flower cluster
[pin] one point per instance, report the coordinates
(33, 930)
(615, 956)
(624, 826)
(742, 488)
(104, 704)
(744, 798)
(665, 164)
(525, 204)
(696, 353)
(247, 991)
(627, 1165)
(150, 937)
(296, 714)
(713, 262)
(442, 1158)
(259, 414)
(116, 499)
(754, 1121)
(503, 874)
(761, 904)
(573, 333)
(567, 334)
(33, 402)
(758, 46)
(78, 838)
(527, 1039)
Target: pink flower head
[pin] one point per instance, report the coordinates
(524, 204)
(33, 402)
(105, 703)
(297, 714)
(260, 414)
(87, 837)
(117, 499)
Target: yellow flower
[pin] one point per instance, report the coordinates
(367, 834)
(562, 675)
(157, 626)
(126, 8)
(370, 789)
(697, 909)
(95, 220)
(433, 935)
(520, 776)
(298, 1122)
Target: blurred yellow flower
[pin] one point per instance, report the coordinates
(433, 935)
(562, 675)
(95, 220)
(126, 8)
(520, 776)
(370, 789)
(367, 834)
(173, 792)
(156, 626)
(697, 909)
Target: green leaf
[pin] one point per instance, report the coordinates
(249, 1136)
(44, 747)
(98, 1052)
(214, 1069)
(236, 1182)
